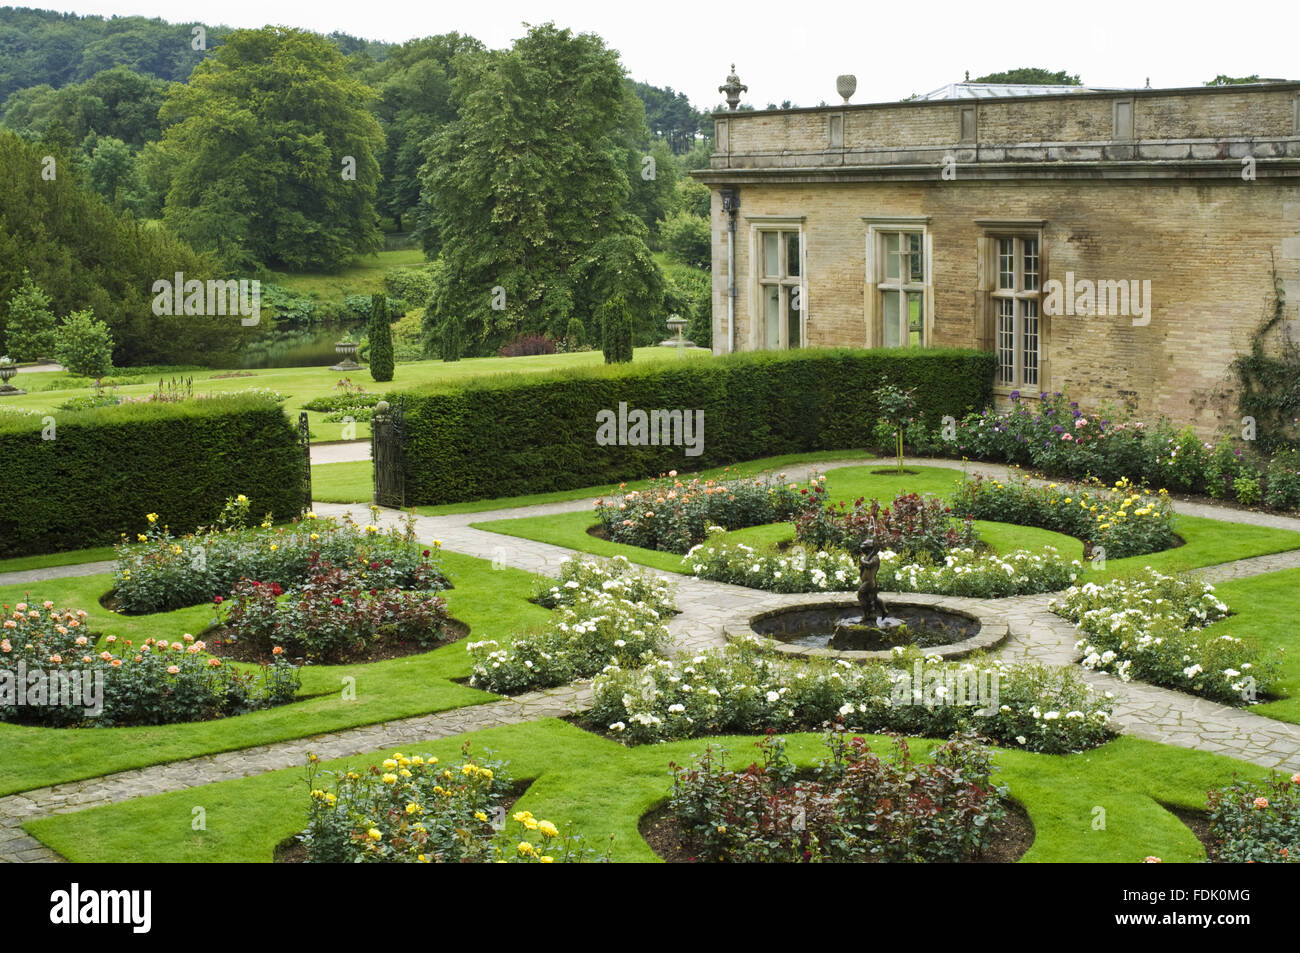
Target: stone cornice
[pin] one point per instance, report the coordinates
(1226, 169)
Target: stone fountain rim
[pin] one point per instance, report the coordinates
(994, 628)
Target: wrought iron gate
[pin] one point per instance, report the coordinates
(304, 438)
(386, 432)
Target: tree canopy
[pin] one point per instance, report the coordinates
(277, 146)
(1031, 76)
(534, 171)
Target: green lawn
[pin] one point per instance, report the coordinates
(602, 788)
(1265, 612)
(70, 557)
(364, 276)
(494, 603)
(352, 482)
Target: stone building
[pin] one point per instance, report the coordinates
(1118, 245)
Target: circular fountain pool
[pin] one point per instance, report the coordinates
(945, 626)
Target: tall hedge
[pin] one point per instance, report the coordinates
(381, 339)
(106, 468)
(529, 433)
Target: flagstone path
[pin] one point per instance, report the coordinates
(1143, 710)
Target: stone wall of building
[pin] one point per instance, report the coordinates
(1208, 248)
(1214, 113)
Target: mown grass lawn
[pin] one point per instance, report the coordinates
(602, 788)
(1265, 613)
(493, 603)
(1206, 541)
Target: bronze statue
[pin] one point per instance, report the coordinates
(873, 609)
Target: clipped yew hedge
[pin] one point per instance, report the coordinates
(532, 433)
(107, 467)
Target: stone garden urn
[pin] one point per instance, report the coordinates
(676, 325)
(347, 352)
(846, 85)
(7, 370)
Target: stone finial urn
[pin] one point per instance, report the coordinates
(846, 85)
(733, 87)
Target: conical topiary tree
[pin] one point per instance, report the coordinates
(381, 339)
(29, 332)
(616, 331)
(450, 344)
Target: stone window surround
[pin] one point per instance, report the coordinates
(986, 318)
(873, 313)
(758, 224)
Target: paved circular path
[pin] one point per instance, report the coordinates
(1146, 711)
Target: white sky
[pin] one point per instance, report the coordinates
(794, 50)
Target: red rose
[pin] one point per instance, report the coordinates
(426, 552)
(336, 601)
(218, 600)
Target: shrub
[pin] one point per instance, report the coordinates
(910, 525)
(673, 515)
(155, 683)
(381, 340)
(615, 331)
(575, 335)
(29, 329)
(90, 401)
(163, 572)
(1150, 628)
(531, 433)
(599, 625)
(1246, 487)
(740, 689)
(1283, 491)
(580, 576)
(963, 572)
(83, 345)
(860, 807)
(415, 810)
(1120, 520)
(1054, 435)
(60, 494)
(524, 345)
(1257, 822)
(1181, 462)
(334, 615)
(347, 397)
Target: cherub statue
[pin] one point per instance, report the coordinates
(873, 609)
